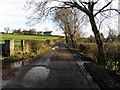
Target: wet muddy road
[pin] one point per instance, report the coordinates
(57, 69)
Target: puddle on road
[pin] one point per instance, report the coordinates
(16, 64)
(20, 64)
(34, 75)
(44, 62)
(37, 73)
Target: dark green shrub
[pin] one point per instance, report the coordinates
(47, 42)
(33, 55)
(12, 58)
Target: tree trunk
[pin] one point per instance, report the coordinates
(66, 38)
(71, 37)
(100, 55)
(72, 41)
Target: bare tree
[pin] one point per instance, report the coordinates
(7, 29)
(61, 20)
(45, 7)
(32, 31)
(112, 35)
(119, 18)
(67, 20)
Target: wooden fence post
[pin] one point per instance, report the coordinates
(9, 47)
(24, 46)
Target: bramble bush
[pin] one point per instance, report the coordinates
(38, 44)
(88, 49)
(112, 54)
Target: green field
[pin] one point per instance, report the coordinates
(32, 53)
(18, 38)
(26, 37)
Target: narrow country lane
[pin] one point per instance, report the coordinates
(58, 69)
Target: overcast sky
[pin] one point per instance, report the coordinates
(13, 15)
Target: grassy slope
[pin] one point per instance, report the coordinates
(25, 37)
(17, 38)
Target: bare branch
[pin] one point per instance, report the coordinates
(85, 10)
(96, 2)
(84, 5)
(102, 22)
(103, 8)
(111, 10)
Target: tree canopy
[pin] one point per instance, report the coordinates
(91, 8)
